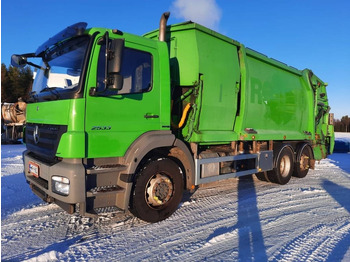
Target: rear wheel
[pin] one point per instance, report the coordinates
(283, 168)
(157, 190)
(262, 176)
(302, 164)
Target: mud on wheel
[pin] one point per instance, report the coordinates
(303, 160)
(157, 190)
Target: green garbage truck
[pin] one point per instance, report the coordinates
(116, 120)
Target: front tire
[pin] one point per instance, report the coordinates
(157, 190)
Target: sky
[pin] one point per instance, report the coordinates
(312, 34)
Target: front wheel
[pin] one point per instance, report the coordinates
(157, 190)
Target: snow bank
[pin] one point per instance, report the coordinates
(11, 159)
(342, 142)
(15, 192)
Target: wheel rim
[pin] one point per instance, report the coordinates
(305, 159)
(159, 190)
(304, 162)
(285, 166)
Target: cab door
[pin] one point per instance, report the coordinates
(114, 119)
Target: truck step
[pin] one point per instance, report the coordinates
(105, 191)
(105, 169)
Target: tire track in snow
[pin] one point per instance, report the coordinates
(314, 244)
(38, 227)
(207, 226)
(166, 238)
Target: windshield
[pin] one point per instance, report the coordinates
(61, 66)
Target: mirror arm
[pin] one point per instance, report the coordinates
(106, 36)
(35, 65)
(24, 60)
(93, 91)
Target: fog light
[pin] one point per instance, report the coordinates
(60, 185)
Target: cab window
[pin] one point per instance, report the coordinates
(136, 70)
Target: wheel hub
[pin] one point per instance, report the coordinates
(304, 162)
(285, 166)
(159, 191)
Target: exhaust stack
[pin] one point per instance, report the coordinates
(162, 26)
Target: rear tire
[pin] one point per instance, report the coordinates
(283, 169)
(157, 190)
(262, 176)
(302, 164)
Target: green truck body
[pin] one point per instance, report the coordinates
(118, 120)
(246, 89)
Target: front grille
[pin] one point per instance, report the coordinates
(43, 139)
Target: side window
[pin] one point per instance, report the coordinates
(136, 71)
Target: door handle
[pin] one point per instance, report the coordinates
(149, 115)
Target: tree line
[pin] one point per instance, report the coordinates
(342, 125)
(15, 83)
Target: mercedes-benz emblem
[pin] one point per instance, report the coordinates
(36, 134)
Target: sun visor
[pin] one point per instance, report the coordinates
(71, 31)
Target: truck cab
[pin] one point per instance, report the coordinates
(95, 93)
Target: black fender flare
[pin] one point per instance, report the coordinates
(144, 144)
(160, 139)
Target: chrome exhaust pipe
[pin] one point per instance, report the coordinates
(162, 26)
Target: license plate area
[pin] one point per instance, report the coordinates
(34, 169)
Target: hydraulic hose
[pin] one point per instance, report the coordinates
(183, 117)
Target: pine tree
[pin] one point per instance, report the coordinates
(346, 121)
(4, 83)
(15, 83)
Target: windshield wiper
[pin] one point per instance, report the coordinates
(33, 97)
(53, 91)
(47, 89)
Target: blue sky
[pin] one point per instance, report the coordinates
(311, 34)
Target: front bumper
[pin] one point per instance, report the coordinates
(73, 169)
(89, 187)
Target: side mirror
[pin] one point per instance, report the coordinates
(115, 82)
(114, 61)
(18, 61)
(115, 54)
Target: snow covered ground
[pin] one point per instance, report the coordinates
(242, 219)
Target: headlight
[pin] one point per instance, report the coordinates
(60, 185)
